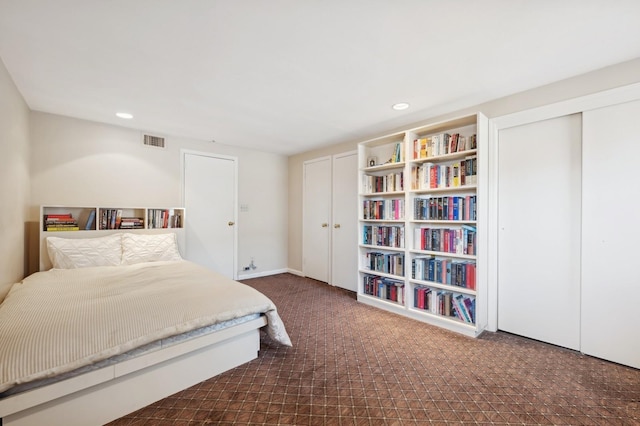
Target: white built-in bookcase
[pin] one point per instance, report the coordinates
(423, 210)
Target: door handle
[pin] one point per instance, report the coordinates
(337, 225)
(324, 225)
(231, 223)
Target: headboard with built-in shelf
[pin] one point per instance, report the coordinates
(95, 222)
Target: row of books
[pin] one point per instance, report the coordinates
(390, 263)
(113, 219)
(444, 271)
(60, 222)
(398, 154)
(445, 303)
(383, 209)
(384, 288)
(382, 235)
(453, 175)
(460, 240)
(162, 218)
(442, 144)
(132, 223)
(392, 182)
(445, 208)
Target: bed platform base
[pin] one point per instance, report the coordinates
(104, 395)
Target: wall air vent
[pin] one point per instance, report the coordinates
(156, 141)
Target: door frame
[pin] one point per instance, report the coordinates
(183, 154)
(571, 106)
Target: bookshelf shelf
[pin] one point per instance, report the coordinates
(382, 274)
(383, 167)
(436, 174)
(383, 248)
(445, 222)
(443, 254)
(456, 189)
(443, 321)
(378, 301)
(445, 157)
(382, 194)
(441, 286)
(395, 221)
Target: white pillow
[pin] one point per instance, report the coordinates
(72, 253)
(138, 248)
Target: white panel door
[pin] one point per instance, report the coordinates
(610, 234)
(210, 194)
(316, 218)
(344, 248)
(539, 168)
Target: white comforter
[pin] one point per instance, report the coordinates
(59, 320)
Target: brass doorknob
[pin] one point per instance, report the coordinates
(231, 223)
(324, 225)
(337, 225)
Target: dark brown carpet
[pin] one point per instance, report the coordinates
(352, 364)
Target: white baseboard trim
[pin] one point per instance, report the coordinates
(295, 272)
(262, 274)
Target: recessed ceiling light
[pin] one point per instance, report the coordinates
(124, 115)
(400, 106)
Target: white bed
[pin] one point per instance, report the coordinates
(80, 315)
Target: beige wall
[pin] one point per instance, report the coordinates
(83, 163)
(606, 78)
(14, 181)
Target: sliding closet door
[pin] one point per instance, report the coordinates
(611, 234)
(539, 230)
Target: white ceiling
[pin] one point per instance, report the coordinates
(286, 76)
